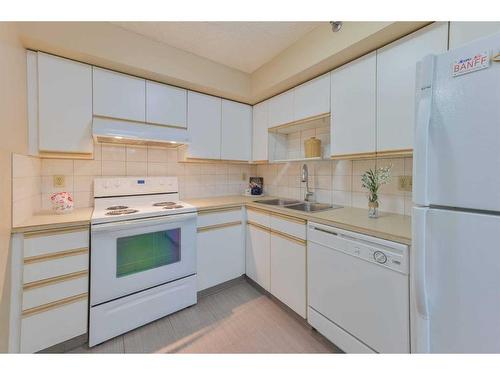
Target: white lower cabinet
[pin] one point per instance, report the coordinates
(51, 296)
(258, 256)
(276, 256)
(221, 247)
(288, 272)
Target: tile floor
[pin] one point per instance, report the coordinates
(236, 319)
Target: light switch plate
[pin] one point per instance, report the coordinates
(59, 181)
(405, 183)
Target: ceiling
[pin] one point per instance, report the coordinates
(244, 46)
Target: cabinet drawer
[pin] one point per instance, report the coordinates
(54, 324)
(216, 217)
(52, 267)
(51, 290)
(289, 225)
(259, 217)
(41, 244)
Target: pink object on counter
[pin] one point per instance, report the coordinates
(62, 202)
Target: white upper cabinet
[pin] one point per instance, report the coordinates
(462, 33)
(236, 135)
(204, 126)
(353, 103)
(260, 135)
(119, 95)
(396, 72)
(166, 105)
(64, 105)
(312, 98)
(281, 109)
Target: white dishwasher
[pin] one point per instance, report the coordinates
(358, 290)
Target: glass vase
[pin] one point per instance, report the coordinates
(372, 210)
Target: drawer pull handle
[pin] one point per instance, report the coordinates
(54, 280)
(57, 255)
(218, 226)
(325, 231)
(259, 226)
(53, 305)
(208, 211)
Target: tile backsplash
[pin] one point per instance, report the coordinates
(336, 182)
(195, 180)
(26, 187)
(339, 182)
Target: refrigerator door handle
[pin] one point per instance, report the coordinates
(420, 308)
(423, 97)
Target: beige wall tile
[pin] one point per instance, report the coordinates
(48, 184)
(137, 153)
(83, 199)
(113, 168)
(113, 152)
(88, 168)
(157, 155)
(341, 197)
(137, 168)
(342, 167)
(342, 183)
(172, 155)
(83, 183)
(157, 169)
(56, 166)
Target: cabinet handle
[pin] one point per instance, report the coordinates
(218, 226)
(53, 305)
(286, 236)
(55, 280)
(57, 255)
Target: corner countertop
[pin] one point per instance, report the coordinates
(49, 220)
(389, 226)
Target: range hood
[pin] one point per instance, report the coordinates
(130, 132)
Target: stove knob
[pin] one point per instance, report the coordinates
(379, 257)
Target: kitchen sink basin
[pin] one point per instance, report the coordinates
(278, 202)
(312, 207)
(298, 205)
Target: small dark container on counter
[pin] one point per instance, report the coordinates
(256, 185)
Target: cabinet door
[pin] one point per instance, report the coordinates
(312, 98)
(462, 33)
(281, 109)
(396, 72)
(260, 135)
(119, 95)
(258, 255)
(64, 105)
(353, 96)
(288, 272)
(221, 256)
(166, 105)
(236, 136)
(204, 126)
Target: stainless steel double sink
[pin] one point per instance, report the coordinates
(298, 205)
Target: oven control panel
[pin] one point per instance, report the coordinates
(121, 186)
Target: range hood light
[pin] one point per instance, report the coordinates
(118, 137)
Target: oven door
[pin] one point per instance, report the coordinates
(130, 256)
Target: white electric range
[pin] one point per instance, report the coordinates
(143, 254)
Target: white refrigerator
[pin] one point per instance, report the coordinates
(455, 256)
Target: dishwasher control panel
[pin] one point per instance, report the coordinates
(385, 253)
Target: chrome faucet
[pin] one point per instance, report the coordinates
(305, 178)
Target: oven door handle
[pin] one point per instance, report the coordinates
(177, 218)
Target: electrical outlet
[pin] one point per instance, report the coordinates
(405, 183)
(59, 181)
(243, 176)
